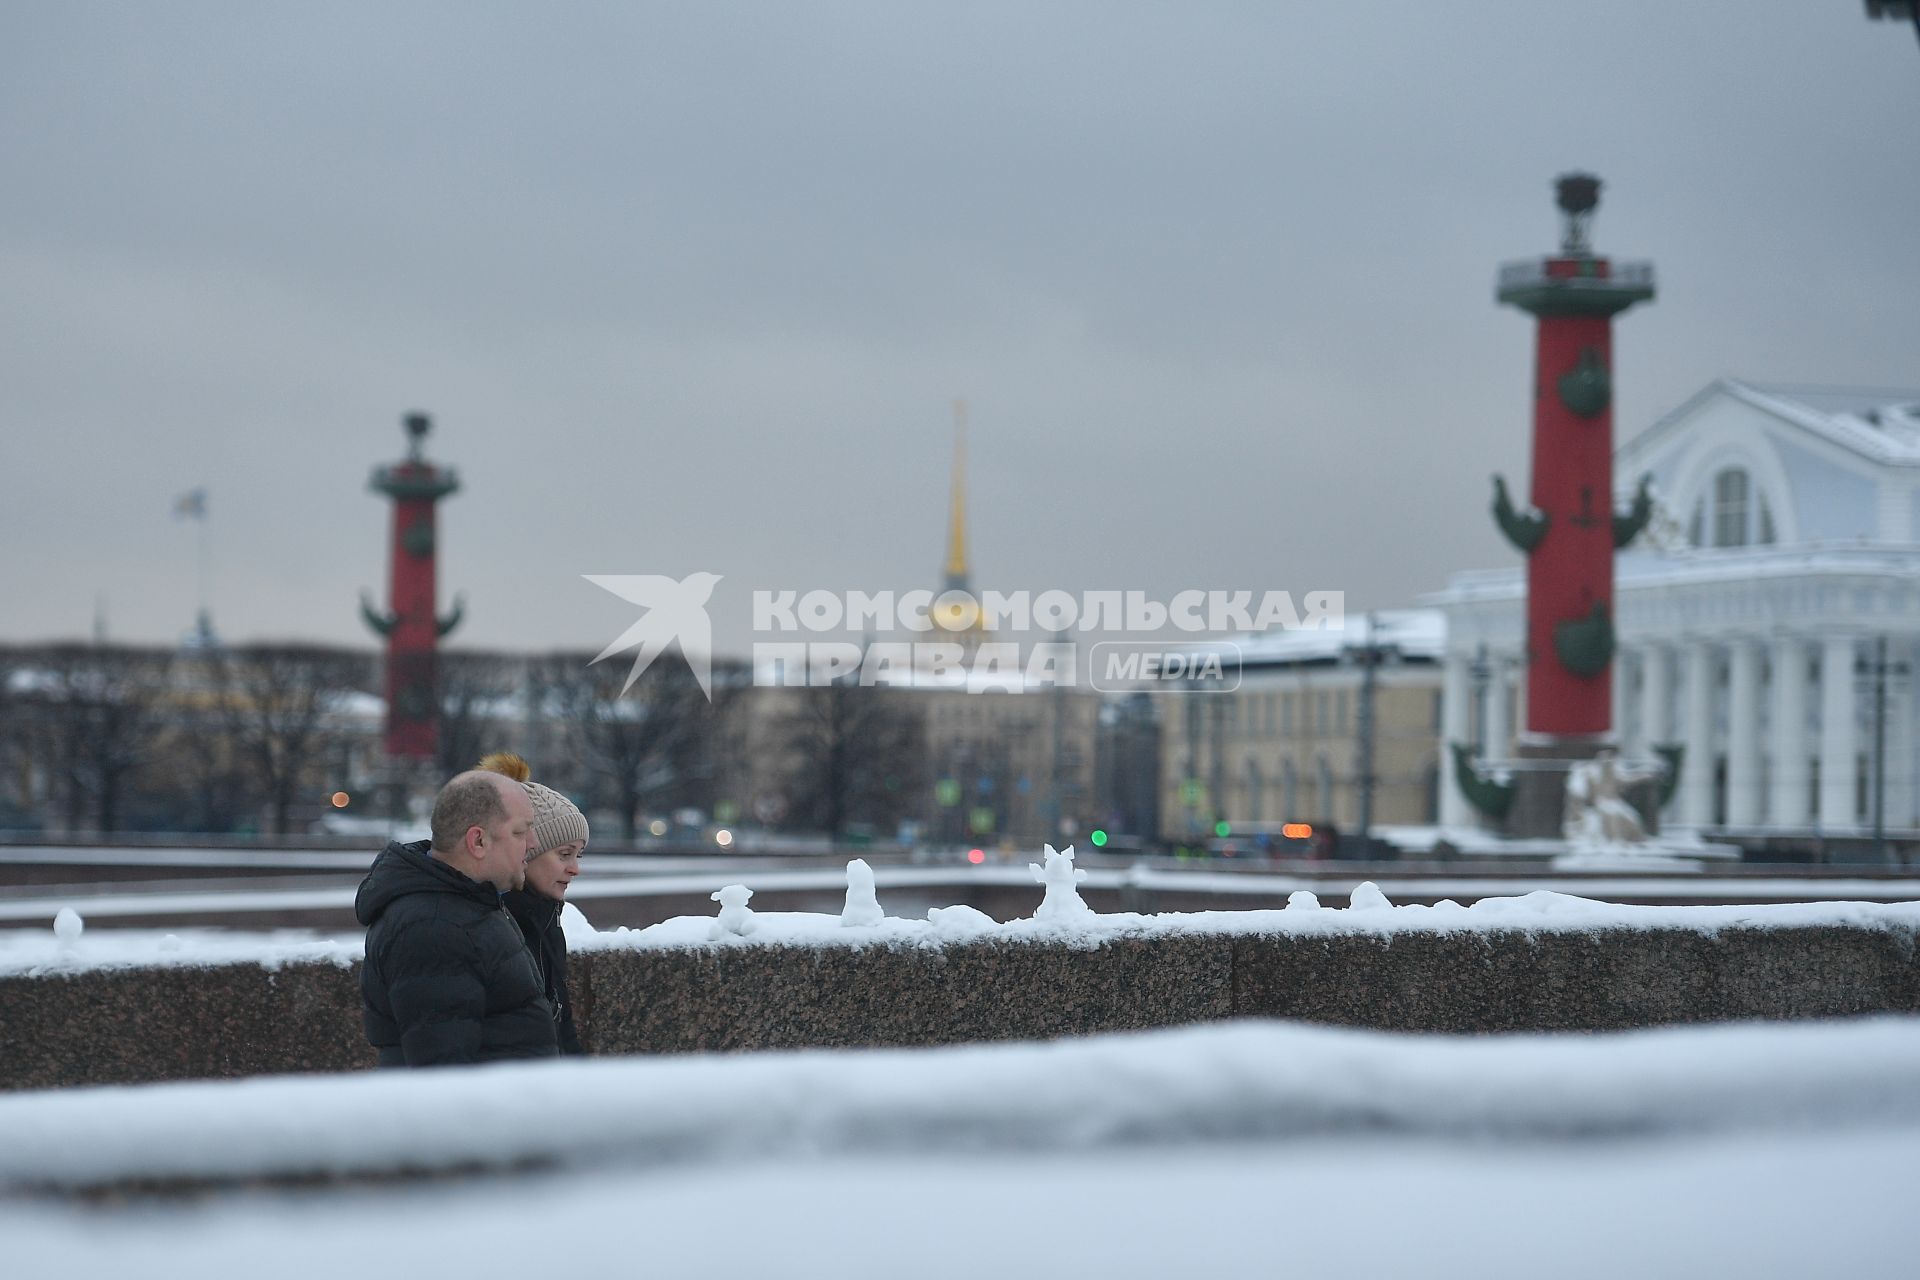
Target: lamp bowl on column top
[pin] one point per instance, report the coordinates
(1577, 192)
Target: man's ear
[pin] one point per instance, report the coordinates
(475, 841)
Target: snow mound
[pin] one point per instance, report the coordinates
(1241, 1082)
(1367, 897)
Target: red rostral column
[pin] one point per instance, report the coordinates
(1571, 533)
(411, 626)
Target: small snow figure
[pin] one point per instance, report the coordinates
(735, 920)
(863, 908)
(1367, 897)
(1062, 901)
(67, 926)
(1301, 900)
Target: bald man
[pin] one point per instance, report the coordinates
(448, 979)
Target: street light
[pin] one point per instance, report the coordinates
(1879, 669)
(1369, 655)
(1481, 672)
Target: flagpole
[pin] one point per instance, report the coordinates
(205, 620)
(192, 505)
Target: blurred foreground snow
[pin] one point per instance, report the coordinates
(1251, 1148)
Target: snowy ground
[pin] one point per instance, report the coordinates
(1245, 1149)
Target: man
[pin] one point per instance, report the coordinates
(448, 978)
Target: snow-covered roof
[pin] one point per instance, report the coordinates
(359, 705)
(31, 680)
(1416, 633)
(1882, 425)
(1641, 570)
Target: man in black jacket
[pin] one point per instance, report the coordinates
(448, 978)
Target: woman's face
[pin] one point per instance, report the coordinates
(549, 874)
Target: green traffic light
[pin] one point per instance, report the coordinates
(1099, 839)
(1223, 828)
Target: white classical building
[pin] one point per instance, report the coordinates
(1782, 564)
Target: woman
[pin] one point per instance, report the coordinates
(560, 836)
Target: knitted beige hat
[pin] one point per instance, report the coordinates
(556, 820)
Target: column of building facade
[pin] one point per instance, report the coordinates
(1839, 738)
(1743, 733)
(1788, 793)
(1455, 724)
(1623, 666)
(1517, 674)
(1900, 732)
(1655, 725)
(1696, 770)
(1500, 708)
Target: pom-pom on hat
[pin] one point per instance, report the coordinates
(556, 820)
(508, 763)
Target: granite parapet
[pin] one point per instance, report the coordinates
(215, 1021)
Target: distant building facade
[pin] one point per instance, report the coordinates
(1290, 745)
(1782, 566)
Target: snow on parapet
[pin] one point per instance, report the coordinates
(1369, 912)
(33, 952)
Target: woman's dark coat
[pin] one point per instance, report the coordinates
(539, 921)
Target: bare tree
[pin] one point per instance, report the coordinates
(856, 755)
(652, 744)
(91, 713)
(280, 703)
(475, 692)
(199, 771)
(15, 753)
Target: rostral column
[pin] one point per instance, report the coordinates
(1571, 533)
(410, 624)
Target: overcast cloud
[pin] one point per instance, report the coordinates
(691, 287)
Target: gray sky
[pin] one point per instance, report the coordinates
(691, 287)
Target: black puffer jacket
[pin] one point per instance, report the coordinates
(448, 978)
(539, 921)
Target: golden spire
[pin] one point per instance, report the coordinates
(957, 517)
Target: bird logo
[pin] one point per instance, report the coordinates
(675, 611)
